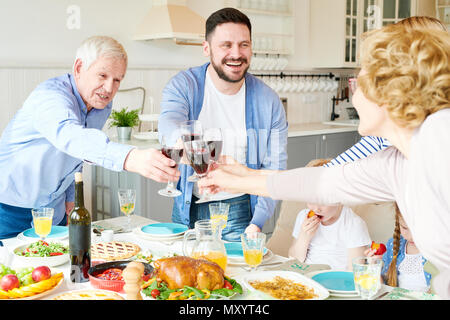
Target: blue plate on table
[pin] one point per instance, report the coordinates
(234, 250)
(164, 229)
(58, 232)
(336, 281)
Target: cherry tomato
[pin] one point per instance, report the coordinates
(227, 285)
(155, 293)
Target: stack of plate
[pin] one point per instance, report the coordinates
(57, 233)
(163, 232)
(338, 283)
(235, 254)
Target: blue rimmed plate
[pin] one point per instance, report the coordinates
(336, 281)
(164, 229)
(234, 250)
(57, 233)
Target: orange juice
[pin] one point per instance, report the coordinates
(127, 209)
(253, 257)
(42, 226)
(214, 256)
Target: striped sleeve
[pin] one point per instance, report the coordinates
(364, 148)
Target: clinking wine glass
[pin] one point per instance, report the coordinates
(42, 221)
(253, 247)
(127, 202)
(171, 150)
(191, 130)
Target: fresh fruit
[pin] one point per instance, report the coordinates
(379, 247)
(41, 273)
(311, 214)
(9, 282)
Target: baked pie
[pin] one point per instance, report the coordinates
(89, 295)
(114, 250)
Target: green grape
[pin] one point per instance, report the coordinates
(26, 280)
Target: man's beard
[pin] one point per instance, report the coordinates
(221, 73)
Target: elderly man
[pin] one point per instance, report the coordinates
(59, 127)
(221, 94)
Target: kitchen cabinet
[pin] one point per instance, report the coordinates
(105, 183)
(349, 19)
(272, 25)
(443, 12)
(149, 204)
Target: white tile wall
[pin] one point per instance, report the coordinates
(16, 84)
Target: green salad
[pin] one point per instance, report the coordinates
(43, 249)
(160, 291)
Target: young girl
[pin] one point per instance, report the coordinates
(333, 236)
(402, 262)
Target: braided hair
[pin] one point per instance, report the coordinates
(391, 274)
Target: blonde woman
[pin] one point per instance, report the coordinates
(403, 96)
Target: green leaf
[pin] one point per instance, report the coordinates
(124, 118)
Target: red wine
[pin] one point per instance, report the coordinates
(173, 153)
(215, 149)
(190, 137)
(199, 160)
(79, 236)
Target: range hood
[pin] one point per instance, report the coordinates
(172, 19)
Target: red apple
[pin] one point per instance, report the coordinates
(9, 282)
(41, 273)
(381, 248)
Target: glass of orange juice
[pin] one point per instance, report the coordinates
(218, 211)
(42, 221)
(253, 247)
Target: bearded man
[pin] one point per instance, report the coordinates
(222, 94)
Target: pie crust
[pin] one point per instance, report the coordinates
(114, 250)
(89, 295)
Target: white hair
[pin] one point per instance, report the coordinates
(94, 47)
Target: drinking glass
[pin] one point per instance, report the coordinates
(127, 201)
(42, 221)
(171, 150)
(253, 248)
(191, 130)
(218, 213)
(214, 139)
(367, 273)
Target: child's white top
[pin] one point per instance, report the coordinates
(330, 243)
(410, 273)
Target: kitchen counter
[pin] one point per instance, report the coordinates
(295, 130)
(310, 129)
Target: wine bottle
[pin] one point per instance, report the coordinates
(79, 235)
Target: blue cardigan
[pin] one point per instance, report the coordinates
(267, 131)
(388, 256)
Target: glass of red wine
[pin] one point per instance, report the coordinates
(171, 150)
(191, 130)
(198, 155)
(213, 137)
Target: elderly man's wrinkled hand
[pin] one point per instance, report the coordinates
(152, 164)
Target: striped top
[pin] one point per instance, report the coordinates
(364, 148)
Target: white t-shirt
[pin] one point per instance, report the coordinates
(330, 243)
(228, 113)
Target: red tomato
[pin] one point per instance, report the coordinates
(155, 293)
(227, 285)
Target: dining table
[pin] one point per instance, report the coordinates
(156, 249)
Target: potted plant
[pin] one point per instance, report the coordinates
(124, 121)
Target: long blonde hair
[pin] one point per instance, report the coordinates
(407, 70)
(391, 274)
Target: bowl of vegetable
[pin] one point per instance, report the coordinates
(42, 253)
(108, 275)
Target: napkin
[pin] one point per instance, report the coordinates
(404, 294)
(299, 267)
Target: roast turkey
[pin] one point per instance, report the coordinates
(180, 271)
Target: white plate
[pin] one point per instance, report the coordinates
(146, 135)
(294, 276)
(138, 232)
(38, 261)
